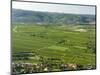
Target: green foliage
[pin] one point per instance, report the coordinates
(23, 16)
(53, 45)
(91, 46)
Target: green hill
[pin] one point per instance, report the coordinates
(25, 16)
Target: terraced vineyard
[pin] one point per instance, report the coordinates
(54, 46)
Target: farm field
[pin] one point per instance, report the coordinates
(53, 47)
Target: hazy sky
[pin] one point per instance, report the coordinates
(76, 9)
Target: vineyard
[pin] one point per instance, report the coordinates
(49, 48)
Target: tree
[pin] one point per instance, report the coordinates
(91, 46)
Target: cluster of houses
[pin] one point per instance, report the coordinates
(45, 64)
(24, 68)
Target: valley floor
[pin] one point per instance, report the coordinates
(47, 48)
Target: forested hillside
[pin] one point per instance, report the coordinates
(25, 16)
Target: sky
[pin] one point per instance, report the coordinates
(44, 7)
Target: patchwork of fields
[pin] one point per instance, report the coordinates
(54, 45)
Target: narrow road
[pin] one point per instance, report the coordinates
(15, 29)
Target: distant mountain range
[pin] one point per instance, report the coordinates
(26, 16)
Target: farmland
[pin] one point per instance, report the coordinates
(54, 46)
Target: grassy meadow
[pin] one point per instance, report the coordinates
(54, 46)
